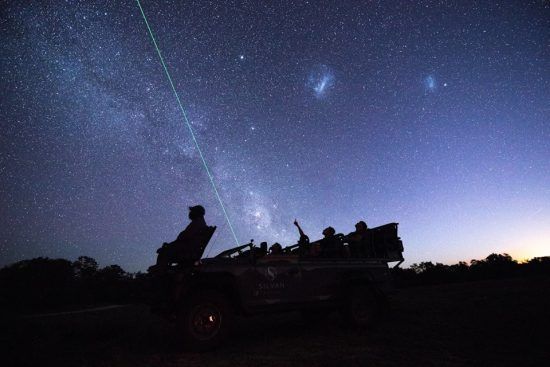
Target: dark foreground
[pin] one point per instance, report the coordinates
(489, 323)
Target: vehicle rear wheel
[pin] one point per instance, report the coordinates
(362, 306)
(205, 320)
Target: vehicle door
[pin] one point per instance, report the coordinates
(273, 280)
(321, 278)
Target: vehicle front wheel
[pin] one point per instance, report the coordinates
(205, 320)
(362, 306)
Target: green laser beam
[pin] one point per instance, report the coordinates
(188, 123)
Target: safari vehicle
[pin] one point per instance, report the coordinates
(246, 280)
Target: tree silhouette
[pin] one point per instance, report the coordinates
(112, 273)
(42, 283)
(39, 282)
(85, 267)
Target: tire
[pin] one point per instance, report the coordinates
(362, 306)
(205, 320)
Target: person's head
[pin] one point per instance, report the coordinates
(329, 232)
(361, 226)
(276, 248)
(196, 212)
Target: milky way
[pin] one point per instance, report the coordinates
(432, 115)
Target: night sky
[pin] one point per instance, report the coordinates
(431, 114)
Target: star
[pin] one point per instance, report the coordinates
(347, 123)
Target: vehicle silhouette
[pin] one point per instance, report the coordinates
(204, 298)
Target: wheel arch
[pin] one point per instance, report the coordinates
(365, 279)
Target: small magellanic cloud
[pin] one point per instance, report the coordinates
(320, 81)
(430, 84)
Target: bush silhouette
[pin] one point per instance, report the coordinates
(43, 283)
(48, 284)
(494, 266)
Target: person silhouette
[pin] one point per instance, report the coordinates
(276, 249)
(359, 241)
(186, 247)
(303, 243)
(329, 244)
(303, 237)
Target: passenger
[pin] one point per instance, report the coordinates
(187, 246)
(303, 237)
(330, 246)
(329, 232)
(359, 241)
(276, 249)
(303, 242)
(263, 248)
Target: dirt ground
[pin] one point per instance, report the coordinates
(490, 323)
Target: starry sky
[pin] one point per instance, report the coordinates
(432, 114)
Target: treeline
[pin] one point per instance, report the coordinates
(494, 266)
(43, 284)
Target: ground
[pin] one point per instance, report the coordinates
(488, 323)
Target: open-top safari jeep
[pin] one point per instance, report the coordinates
(246, 280)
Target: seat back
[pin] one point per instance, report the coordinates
(385, 242)
(205, 239)
(194, 249)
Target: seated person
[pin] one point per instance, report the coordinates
(303, 242)
(186, 249)
(263, 249)
(330, 245)
(276, 249)
(359, 241)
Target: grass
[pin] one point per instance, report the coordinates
(489, 323)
